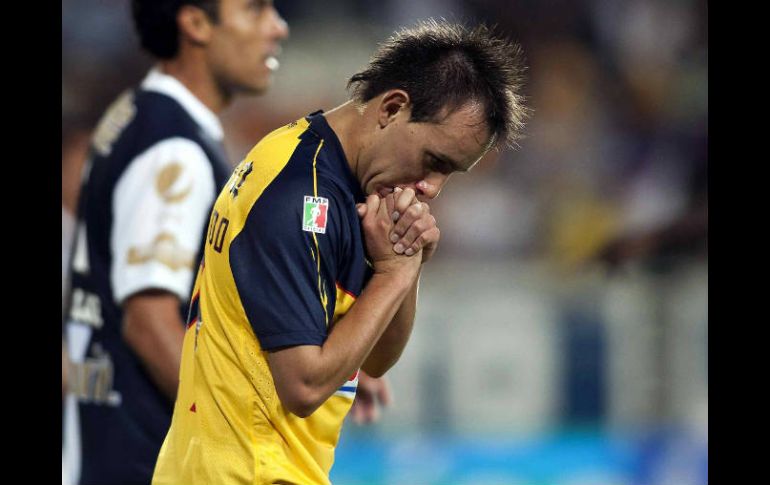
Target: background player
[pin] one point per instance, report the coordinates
(156, 163)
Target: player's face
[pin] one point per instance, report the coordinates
(424, 155)
(244, 45)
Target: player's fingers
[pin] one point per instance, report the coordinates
(404, 199)
(393, 213)
(372, 205)
(406, 224)
(390, 202)
(413, 213)
(382, 209)
(413, 238)
(373, 414)
(383, 394)
(361, 209)
(424, 240)
(367, 410)
(354, 411)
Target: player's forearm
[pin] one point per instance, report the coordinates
(391, 344)
(357, 333)
(160, 352)
(315, 373)
(154, 330)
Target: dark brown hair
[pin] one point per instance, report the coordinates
(446, 65)
(155, 22)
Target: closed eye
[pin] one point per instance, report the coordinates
(441, 166)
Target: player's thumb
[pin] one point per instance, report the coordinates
(361, 208)
(372, 205)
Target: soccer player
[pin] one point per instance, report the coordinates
(313, 253)
(155, 166)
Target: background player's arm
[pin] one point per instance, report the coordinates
(161, 204)
(305, 376)
(153, 328)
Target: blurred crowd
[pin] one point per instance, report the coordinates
(614, 163)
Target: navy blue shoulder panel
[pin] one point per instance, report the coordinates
(275, 259)
(275, 263)
(354, 271)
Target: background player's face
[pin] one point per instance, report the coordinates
(244, 44)
(424, 155)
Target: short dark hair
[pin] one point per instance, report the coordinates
(442, 64)
(155, 22)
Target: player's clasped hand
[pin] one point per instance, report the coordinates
(414, 227)
(377, 224)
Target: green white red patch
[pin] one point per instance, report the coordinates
(315, 212)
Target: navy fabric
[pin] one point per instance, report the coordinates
(273, 259)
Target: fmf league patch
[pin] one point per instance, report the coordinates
(314, 214)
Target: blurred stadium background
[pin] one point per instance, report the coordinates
(562, 332)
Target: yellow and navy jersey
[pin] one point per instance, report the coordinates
(284, 259)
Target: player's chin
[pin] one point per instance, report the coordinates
(257, 85)
(259, 89)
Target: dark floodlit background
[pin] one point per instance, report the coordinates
(561, 337)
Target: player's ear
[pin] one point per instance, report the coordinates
(194, 24)
(393, 103)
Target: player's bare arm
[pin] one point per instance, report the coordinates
(305, 376)
(415, 230)
(153, 328)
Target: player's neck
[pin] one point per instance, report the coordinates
(346, 121)
(198, 81)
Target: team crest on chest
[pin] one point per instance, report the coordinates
(239, 177)
(315, 212)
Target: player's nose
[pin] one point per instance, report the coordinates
(280, 27)
(431, 186)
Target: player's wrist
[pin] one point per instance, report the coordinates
(397, 273)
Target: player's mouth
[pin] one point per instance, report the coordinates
(271, 62)
(271, 59)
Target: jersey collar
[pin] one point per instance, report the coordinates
(320, 126)
(170, 86)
